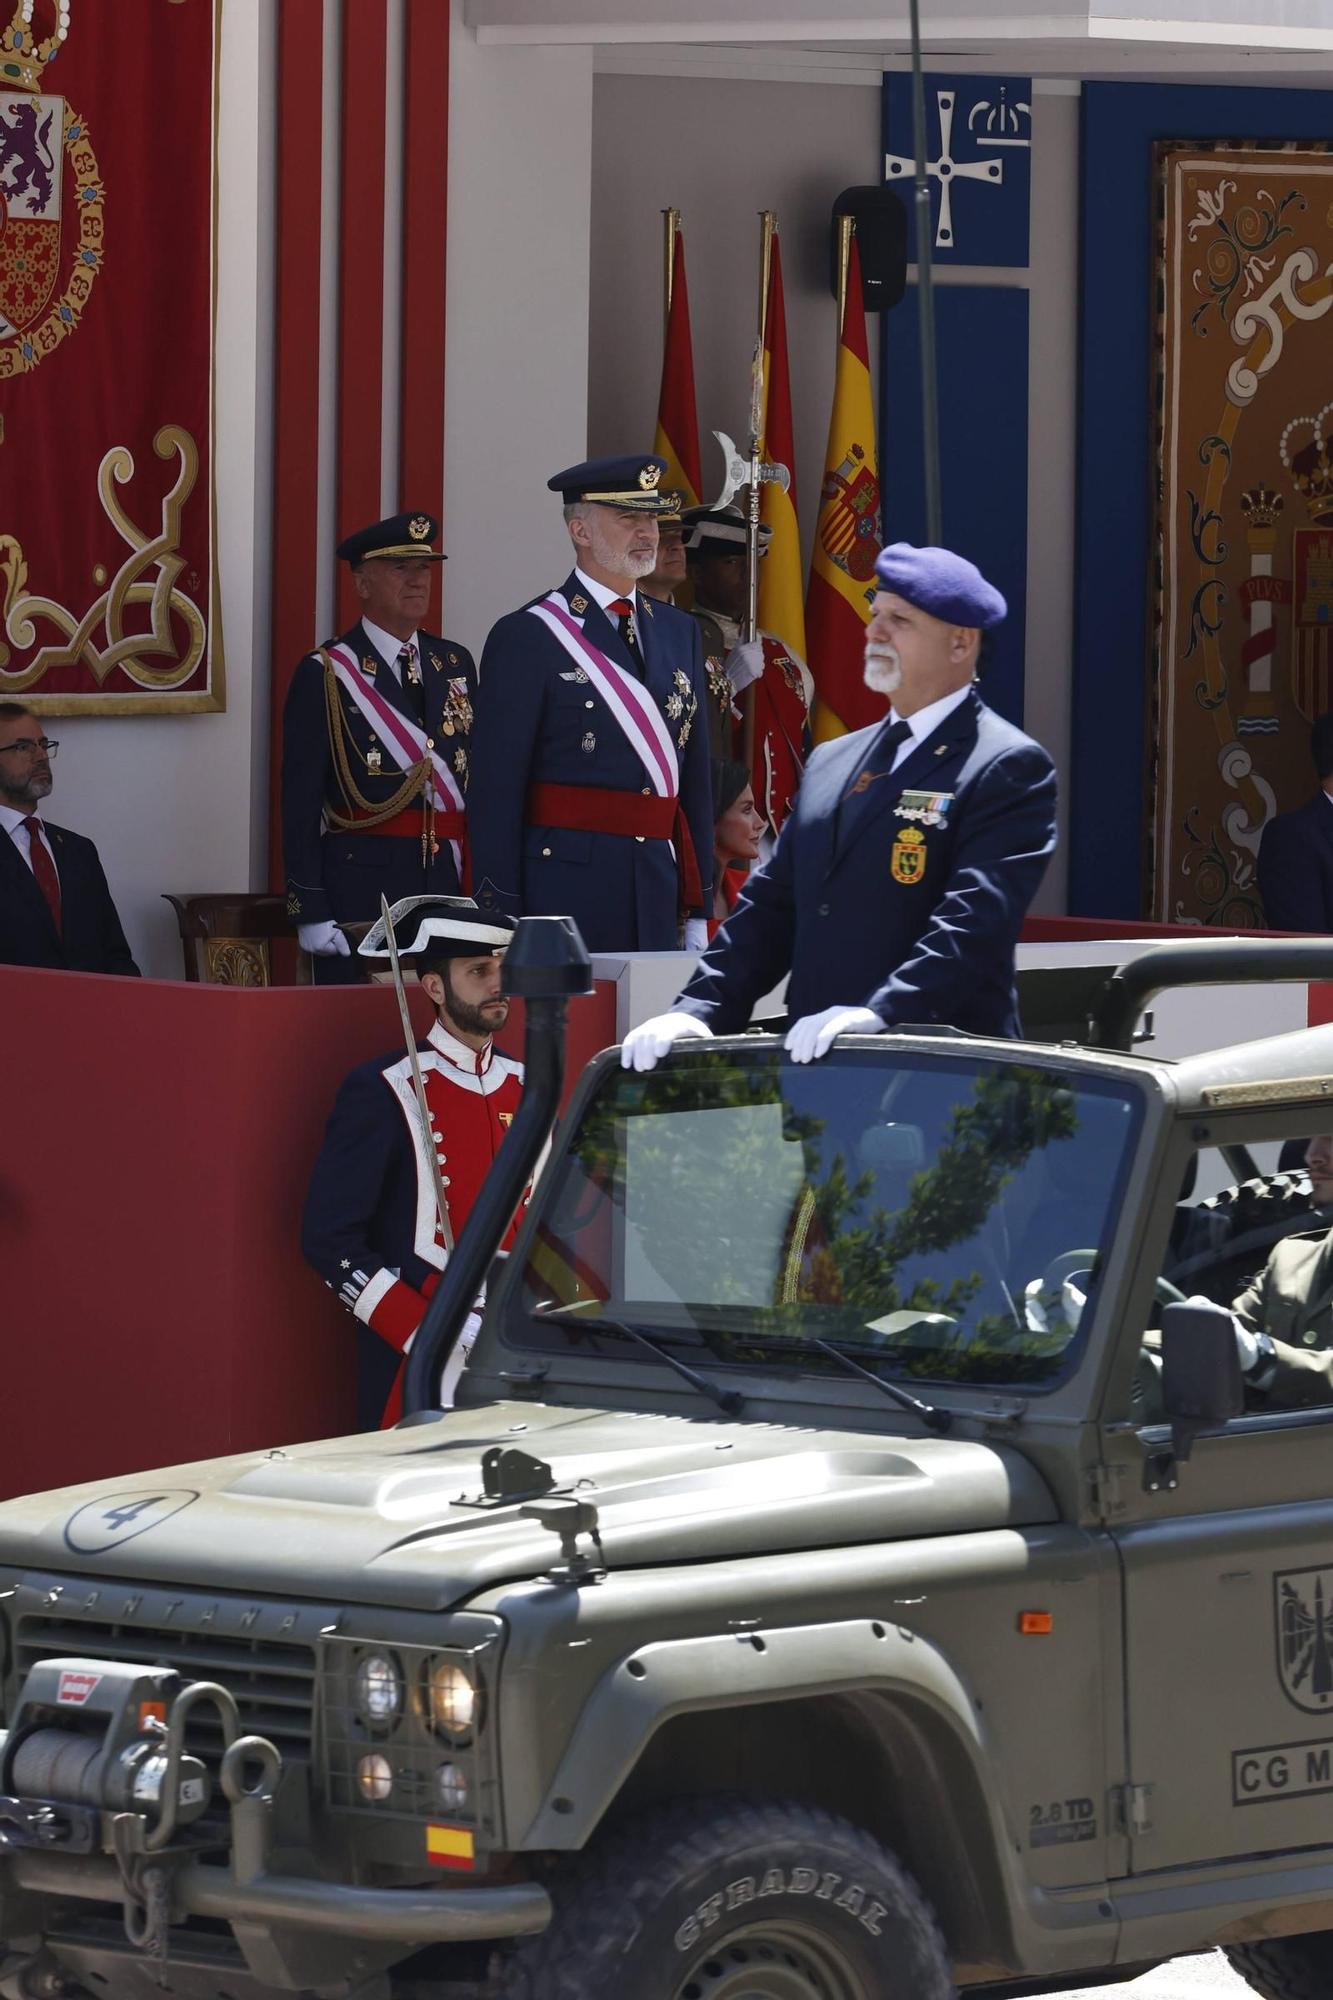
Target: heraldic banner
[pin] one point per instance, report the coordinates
(107, 591)
(1243, 638)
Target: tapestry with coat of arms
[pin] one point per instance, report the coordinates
(107, 570)
(1242, 640)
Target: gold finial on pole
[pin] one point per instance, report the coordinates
(846, 224)
(671, 223)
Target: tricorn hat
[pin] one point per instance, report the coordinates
(438, 927)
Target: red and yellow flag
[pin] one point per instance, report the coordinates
(677, 439)
(847, 535)
(781, 610)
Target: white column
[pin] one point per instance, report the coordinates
(516, 405)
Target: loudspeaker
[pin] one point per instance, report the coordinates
(881, 239)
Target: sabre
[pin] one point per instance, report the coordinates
(418, 1087)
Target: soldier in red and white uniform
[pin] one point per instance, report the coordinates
(766, 673)
(371, 1227)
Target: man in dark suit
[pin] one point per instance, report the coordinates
(1296, 852)
(899, 883)
(55, 906)
(591, 795)
(375, 751)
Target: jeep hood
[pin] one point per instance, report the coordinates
(400, 1518)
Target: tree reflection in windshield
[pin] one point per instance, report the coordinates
(936, 1212)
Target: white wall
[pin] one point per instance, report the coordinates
(722, 148)
(178, 802)
(516, 329)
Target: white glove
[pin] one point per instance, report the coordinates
(323, 940)
(743, 664)
(459, 1354)
(814, 1034)
(696, 934)
(645, 1045)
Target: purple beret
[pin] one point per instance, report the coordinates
(936, 580)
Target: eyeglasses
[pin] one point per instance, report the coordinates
(25, 746)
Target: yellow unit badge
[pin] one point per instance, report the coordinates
(907, 862)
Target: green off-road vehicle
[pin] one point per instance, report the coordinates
(854, 1570)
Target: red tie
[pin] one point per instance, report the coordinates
(622, 611)
(44, 868)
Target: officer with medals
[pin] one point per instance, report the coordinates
(898, 886)
(763, 673)
(375, 751)
(591, 795)
(372, 1226)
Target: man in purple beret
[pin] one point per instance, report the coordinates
(896, 892)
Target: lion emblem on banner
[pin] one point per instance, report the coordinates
(51, 200)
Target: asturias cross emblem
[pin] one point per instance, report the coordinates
(946, 170)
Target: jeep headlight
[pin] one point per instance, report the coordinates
(451, 1789)
(378, 1691)
(374, 1777)
(451, 1700)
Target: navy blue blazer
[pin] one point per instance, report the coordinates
(866, 903)
(340, 876)
(90, 938)
(540, 721)
(1296, 868)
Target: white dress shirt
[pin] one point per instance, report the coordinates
(606, 598)
(12, 822)
(925, 722)
(389, 648)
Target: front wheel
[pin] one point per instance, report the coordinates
(734, 1899)
(1295, 1968)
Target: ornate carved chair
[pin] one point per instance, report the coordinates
(239, 940)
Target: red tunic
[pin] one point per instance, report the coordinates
(781, 732)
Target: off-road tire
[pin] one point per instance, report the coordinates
(1296, 1968)
(704, 1898)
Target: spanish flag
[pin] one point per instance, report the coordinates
(781, 611)
(677, 439)
(847, 534)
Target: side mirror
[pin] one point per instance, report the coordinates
(1202, 1387)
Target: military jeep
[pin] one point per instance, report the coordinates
(855, 1569)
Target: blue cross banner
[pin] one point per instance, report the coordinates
(978, 159)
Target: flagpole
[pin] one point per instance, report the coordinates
(930, 415)
(671, 221)
(768, 223)
(846, 224)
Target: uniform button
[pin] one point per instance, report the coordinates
(444, 1180)
(430, 742)
(639, 838)
(1309, 1336)
(547, 852)
(647, 791)
(590, 704)
(823, 909)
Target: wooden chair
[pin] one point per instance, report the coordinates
(239, 940)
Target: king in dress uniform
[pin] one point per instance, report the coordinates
(372, 1223)
(766, 675)
(375, 751)
(591, 795)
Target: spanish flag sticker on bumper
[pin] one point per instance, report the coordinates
(449, 1847)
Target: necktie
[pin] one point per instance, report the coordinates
(622, 611)
(409, 676)
(881, 754)
(44, 868)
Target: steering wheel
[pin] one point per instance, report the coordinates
(1069, 1261)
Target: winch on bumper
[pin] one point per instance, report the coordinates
(101, 1801)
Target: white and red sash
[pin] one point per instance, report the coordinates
(628, 700)
(404, 740)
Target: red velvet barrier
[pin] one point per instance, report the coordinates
(157, 1142)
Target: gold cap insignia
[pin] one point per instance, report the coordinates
(649, 477)
(419, 528)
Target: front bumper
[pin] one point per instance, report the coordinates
(386, 1916)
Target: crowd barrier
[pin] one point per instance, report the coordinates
(158, 1139)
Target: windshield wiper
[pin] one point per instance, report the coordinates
(930, 1414)
(730, 1401)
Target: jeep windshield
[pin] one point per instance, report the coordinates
(941, 1217)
